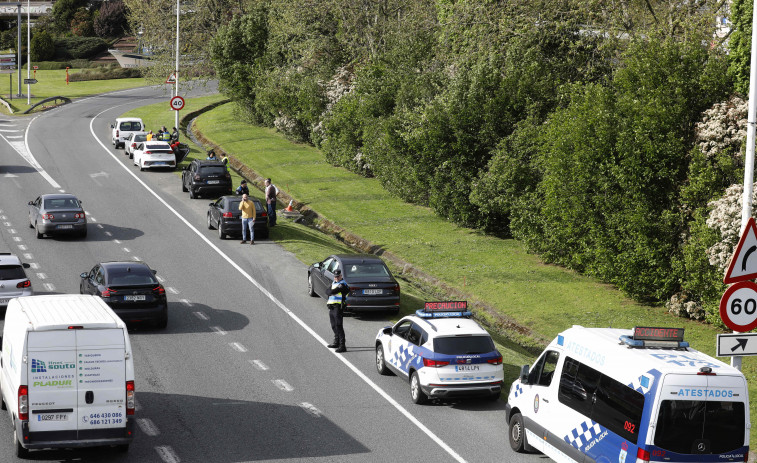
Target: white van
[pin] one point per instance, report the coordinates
(67, 374)
(122, 128)
(641, 395)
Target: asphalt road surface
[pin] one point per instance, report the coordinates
(242, 372)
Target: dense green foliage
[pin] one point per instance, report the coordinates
(78, 47)
(740, 44)
(43, 46)
(110, 20)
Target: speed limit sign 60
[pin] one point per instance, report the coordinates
(738, 306)
(177, 103)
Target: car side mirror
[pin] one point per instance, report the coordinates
(212, 204)
(387, 330)
(154, 272)
(524, 374)
(112, 126)
(84, 275)
(31, 203)
(25, 265)
(317, 265)
(185, 168)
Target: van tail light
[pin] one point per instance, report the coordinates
(48, 216)
(228, 215)
(109, 292)
(24, 284)
(642, 456)
(130, 400)
(706, 371)
(23, 403)
(159, 290)
(495, 361)
(434, 363)
(117, 133)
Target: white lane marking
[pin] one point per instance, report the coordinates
(107, 233)
(22, 148)
(201, 316)
(283, 385)
(277, 302)
(34, 265)
(28, 256)
(14, 136)
(172, 290)
(49, 286)
(218, 330)
(166, 453)
(136, 258)
(259, 365)
(186, 302)
(42, 276)
(310, 408)
(12, 231)
(238, 347)
(7, 224)
(90, 218)
(22, 247)
(137, 405)
(160, 278)
(99, 225)
(126, 250)
(17, 239)
(148, 427)
(115, 241)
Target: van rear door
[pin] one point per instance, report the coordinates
(101, 380)
(51, 365)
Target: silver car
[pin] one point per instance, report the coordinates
(13, 280)
(57, 214)
(132, 141)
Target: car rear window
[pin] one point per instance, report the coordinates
(212, 170)
(64, 203)
(12, 272)
(133, 276)
(234, 205)
(140, 137)
(130, 126)
(463, 345)
(366, 270)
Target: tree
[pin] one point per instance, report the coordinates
(81, 24)
(64, 12)
(43, 46)
(111, 20)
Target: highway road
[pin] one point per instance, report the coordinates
(242, 372)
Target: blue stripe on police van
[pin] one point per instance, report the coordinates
(560, 340)
(583, 434)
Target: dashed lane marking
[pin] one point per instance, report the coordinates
(166, 453)
(186, 302)
(201, 316)
(310, 408)
(218, 330)
(238, 347)
(283, 385)
(259, 365)
(49, 286)
(148, 427)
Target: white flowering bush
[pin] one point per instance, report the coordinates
(341, 83)
(725, 218)
(723, 127)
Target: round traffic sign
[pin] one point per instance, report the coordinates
(738, 307)
(177, 103)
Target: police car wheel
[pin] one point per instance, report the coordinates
(517, 433)
(416, 393)
(380, 363)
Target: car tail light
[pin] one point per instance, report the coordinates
(642, 456)
(109, 292)
(263, 214)
(434, 363)
(79, 215)
(130, 400)
(48, 216)
(228, 175)
(24, 284)
(496, 361)
(147, 152)
(159, 289)
(228, 215)
(116, 133)
(133, 145)
(396, 288)
(23, 403)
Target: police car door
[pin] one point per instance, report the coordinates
(539, 404)
(398, 354)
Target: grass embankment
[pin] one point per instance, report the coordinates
(52, 83)
(545, 298)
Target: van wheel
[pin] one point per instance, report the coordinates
(380, 363)
(416, 393)
(20, 451)
(517, 433)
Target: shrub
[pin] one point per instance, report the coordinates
(79, 47)
(105, 73)
(43, 46)
(111, 20)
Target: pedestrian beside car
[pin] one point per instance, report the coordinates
(242, 188)
(270, 199)
(248, 219)
(337, 298)
(164, 135)
(174, 136)
(149, 135)
(211, 156)
(224, 159)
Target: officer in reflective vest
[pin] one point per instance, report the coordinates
(337, 298)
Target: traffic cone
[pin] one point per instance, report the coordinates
(289, 207)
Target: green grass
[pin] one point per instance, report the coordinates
(545, 298)
(52, 83)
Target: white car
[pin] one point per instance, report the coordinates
(123, 127)
(13, 279)
(442, 353)
(151, 154)
(131, 142)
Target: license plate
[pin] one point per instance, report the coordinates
(138, 297)
(213, 182)
(372, 291)
(4, 300)
(466, 367)
(159, 163)
(52, 417)
(65, 227)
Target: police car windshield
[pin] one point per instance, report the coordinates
(463, 345)
(683, 423)
(11, 272)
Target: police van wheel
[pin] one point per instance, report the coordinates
(380, 363)
(416, 393)
(517, 433)
(20, 451)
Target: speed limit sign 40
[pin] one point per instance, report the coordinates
(738, 306)
(177, 103)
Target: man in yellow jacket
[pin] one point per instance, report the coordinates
(248, 219)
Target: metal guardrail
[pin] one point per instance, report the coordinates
(47, 100)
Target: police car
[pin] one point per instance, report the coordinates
(641, 395)
(442, 353)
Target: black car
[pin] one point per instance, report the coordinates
(225, 216)
(206, 178)
(130, 289)
(372, 286)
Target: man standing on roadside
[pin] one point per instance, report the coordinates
(242, 188)
(337, 297)
(270, 200)
(248, 219)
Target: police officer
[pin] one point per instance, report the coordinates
(337, 297)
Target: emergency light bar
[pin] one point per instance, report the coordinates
(648, 336)
(445, 309)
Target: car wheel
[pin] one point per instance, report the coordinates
(141, 166)
(493, 397)
(162, 322)
(416, 393)
(131, 155)
(192, 194)
(210, 223)
(517, 433)
(39, 235)
(83, 234)
(380, 363)
(221, 233)
(21, 452)
(311, 291)
(183, 185)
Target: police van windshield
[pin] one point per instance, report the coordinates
(462, 345)
(684, 424)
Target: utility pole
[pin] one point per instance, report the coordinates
(18, 64)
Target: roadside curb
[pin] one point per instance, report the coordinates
(485, 313)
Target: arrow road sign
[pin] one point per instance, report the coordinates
(30, 81)
(730, 345)
(744, 262)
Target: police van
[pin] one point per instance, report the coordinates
(66, 373)
(641, 395)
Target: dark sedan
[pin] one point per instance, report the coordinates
(57, 214)
(372, 286)
(224, 215)
(130, 289)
